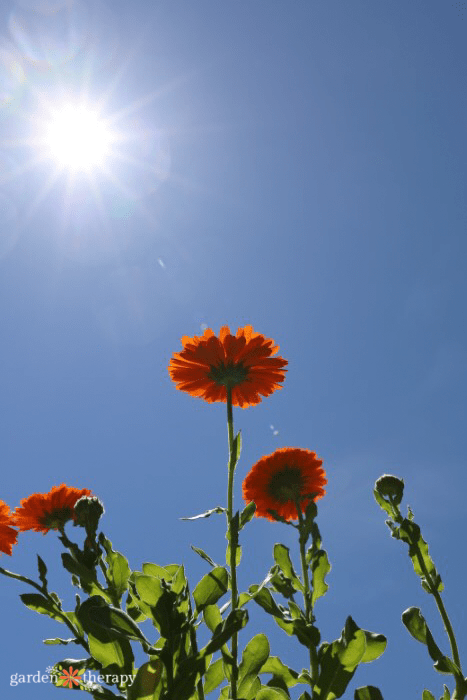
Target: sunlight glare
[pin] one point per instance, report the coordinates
(77, 138)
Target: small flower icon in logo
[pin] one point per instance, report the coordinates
(70, 677)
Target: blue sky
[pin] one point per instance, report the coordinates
(299, 166)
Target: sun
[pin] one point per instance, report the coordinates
(76, 137)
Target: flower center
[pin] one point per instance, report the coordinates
(286, 485)
(229, 375)
(57, 518)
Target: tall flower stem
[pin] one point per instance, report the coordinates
(307, 594)
(233, 537)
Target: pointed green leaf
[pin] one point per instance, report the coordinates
(155, 570)
(305, 696)
(282, 559)
(107, 650)
(446, 694)
(247, 514)
(41, 604)
(42, 571)
(369, 692)
(237, 447)
(254, 655)
(234, 622)
(426, 695)
(118, 571)
(320, 567)
(211, 587)
(206, 514)
(203, 555)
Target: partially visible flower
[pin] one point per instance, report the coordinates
(282, 479)
(208, 364)
(42, 512)
(8, 536)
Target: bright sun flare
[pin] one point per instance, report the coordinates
(77, 138)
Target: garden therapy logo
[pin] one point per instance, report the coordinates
(70, 678)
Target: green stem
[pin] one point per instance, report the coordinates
(233, 537)
(460, 693)
(307, 592)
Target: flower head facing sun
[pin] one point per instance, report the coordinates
(277, 482)
(209, 364)
(8, 536)
(42, 512)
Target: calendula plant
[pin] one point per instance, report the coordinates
(112, 601)
(388, 493)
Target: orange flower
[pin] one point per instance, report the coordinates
(8, 536)
(280, 479)
(208, 364)
(42, 512)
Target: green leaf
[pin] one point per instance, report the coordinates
(212, 616)
(211, 587)
(42, 571)
(320, 567)
(426, 695)
(375, 646)
(237, 448)
(282, 559)
(238, 555)
(223, 632)
(155, 570)
(271, 694)
(409, 532)
(149, 588)
(41, 604)
(108, 650)
(146, 684)
(58, 640)
(275, 666)
(446, 694)
(369, 692)
(254, 655)
(118, 571)
(339, 660)
(305, 696)
(203, 555)
(247, 514)
(206, 514)
(214, 676)
(418, 628)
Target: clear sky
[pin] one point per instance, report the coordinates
(298, 165)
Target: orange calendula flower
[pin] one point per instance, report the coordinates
(209, 363)
(280, 480)
(42, 512)
(8, 536)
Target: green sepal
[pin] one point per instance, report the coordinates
(368, 692)
(418, 628)
(146, 685)
(211, 587)
(206, 514)
(282, 558)
(247, 514)
(201, 553)
(254, 656)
